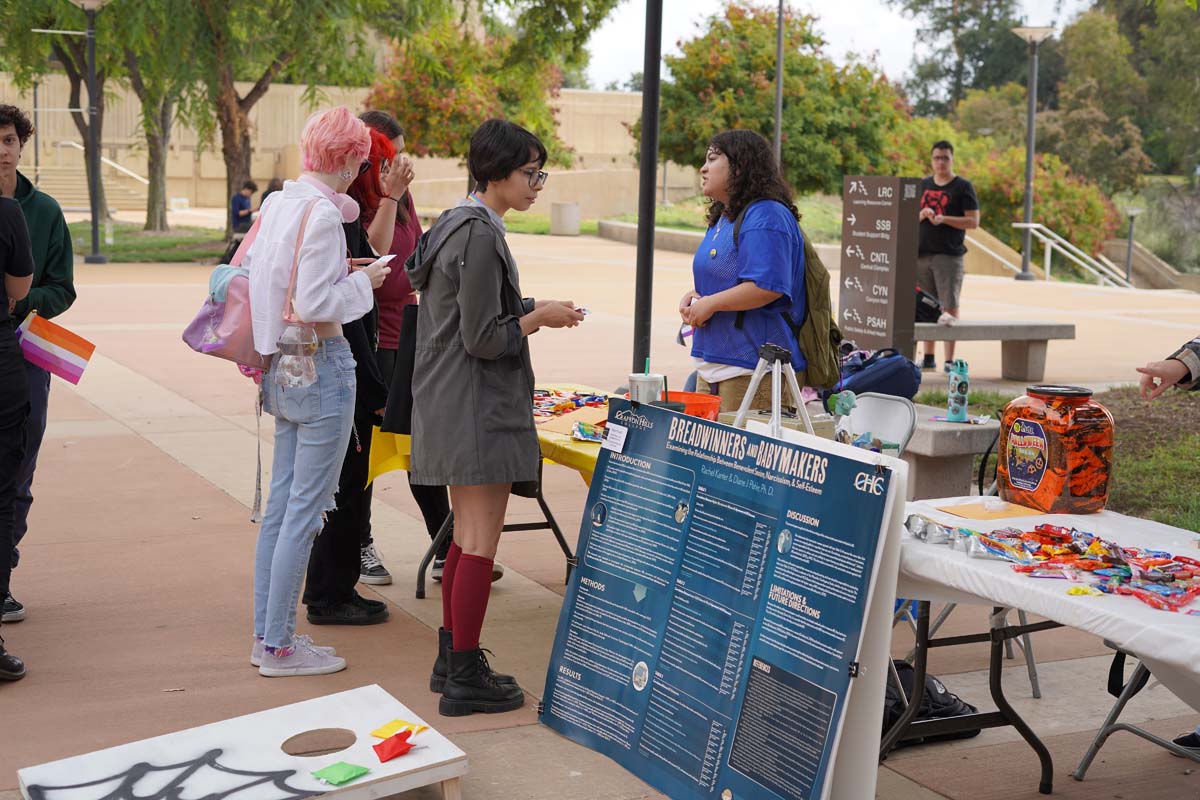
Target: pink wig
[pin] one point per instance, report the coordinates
(331, 138)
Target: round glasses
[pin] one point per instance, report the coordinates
(536, 177)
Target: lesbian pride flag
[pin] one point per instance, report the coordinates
(54, 348)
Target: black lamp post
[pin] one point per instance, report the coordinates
(1132, 213)
(644, 281)
(779, 86)
(1034, 37)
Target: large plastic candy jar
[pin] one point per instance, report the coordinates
(1055, 454)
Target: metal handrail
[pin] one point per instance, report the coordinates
(109, 162)
(1003, 261)
(1102, 272)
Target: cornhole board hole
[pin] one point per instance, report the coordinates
(243, 758)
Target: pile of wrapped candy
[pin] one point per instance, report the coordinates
(1095, 566)
(549, 403)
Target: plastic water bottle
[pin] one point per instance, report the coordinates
(295, 367)
(956, 401)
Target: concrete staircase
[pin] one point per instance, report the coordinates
(68, 185)
(1150, 271)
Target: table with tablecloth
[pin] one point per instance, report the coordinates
(1168, 643)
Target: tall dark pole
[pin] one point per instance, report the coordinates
(648, 171)
(1030, 124)
(93, 142)
(779, 86)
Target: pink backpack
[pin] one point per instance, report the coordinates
(223, 327)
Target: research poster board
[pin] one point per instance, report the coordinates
(709, 638)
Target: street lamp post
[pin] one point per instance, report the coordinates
(1133, 214)
(1034, 37)
(779, 86)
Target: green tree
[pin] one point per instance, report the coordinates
(998, 111)
(28, 56)
(1096, 146)
(834, 118)
(1171, 69)
(1096, 52)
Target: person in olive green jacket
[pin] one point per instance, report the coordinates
(53, 293)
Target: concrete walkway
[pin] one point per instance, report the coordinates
(137, 569)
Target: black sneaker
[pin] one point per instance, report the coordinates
(1189, 742)
(372, 605)
(439, 566)
(371, 569)
(11, 667)
(947, 366)
(929, 363)
(350, 613)
(12, 610)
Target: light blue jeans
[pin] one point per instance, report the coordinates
(312, 430)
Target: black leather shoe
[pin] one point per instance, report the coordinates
(349, 613)
(11, 667)
(437, 680)
(471, 686)
(370, 605)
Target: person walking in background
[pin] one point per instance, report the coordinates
(16, 276)
(52, 293)
(313, 421)
(398, 213)
(334, 566)
(949, 208)
(240, 215)
(750, 291)
(472, 420)
(273, 185)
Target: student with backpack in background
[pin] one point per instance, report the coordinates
(750, 277)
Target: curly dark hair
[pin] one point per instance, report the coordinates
(11, 115)
(753, 175)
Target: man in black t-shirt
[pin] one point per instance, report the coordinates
(16, 276)
(949, 208)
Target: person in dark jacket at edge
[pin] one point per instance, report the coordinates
(52, 293)
(333, 564)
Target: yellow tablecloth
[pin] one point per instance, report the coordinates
(391, 451)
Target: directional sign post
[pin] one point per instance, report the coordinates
(876, 305)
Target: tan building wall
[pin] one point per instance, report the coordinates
(604, 179)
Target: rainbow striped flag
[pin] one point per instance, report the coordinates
(54, 348)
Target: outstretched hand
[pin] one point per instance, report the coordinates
(1158, 376)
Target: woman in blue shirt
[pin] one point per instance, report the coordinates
(749, 292)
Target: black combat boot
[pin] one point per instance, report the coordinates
(471, 686)
(442, 665)
(11, 667)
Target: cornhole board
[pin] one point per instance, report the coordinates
(242, 758)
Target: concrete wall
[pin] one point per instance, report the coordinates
(603, 180)
(1148, 270)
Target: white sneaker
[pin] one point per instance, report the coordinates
(256, 652)
(497, 571)
(300, 659)
(947, 319)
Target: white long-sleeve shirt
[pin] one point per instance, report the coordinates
(325, 290)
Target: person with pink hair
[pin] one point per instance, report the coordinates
(312, 422)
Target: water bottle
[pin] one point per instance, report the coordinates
(295, 367)
(956, 401)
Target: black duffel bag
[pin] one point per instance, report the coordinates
(938, 703)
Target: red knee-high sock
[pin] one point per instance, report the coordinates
(448, 571)
(472, 587)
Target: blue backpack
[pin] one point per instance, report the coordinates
(886, 371)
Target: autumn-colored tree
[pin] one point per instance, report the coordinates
(998, 112)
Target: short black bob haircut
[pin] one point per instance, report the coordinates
(383, 122)
(942, 145)
(11, 115)
(498, 147)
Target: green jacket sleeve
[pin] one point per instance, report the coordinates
(54, 291)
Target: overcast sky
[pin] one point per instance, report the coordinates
(858, 26)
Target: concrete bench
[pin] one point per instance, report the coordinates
(941, 455)
(1022, 344)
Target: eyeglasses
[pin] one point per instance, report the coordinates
(536, 177)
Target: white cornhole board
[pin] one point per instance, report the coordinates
(205, 761)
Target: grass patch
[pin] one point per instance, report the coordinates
(132, 244)
(980, 401)
(539, 224)
(820, 216)
(1155, 468)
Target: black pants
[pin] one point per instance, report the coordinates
(333, 564)
(12, 451)
(434, 501)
